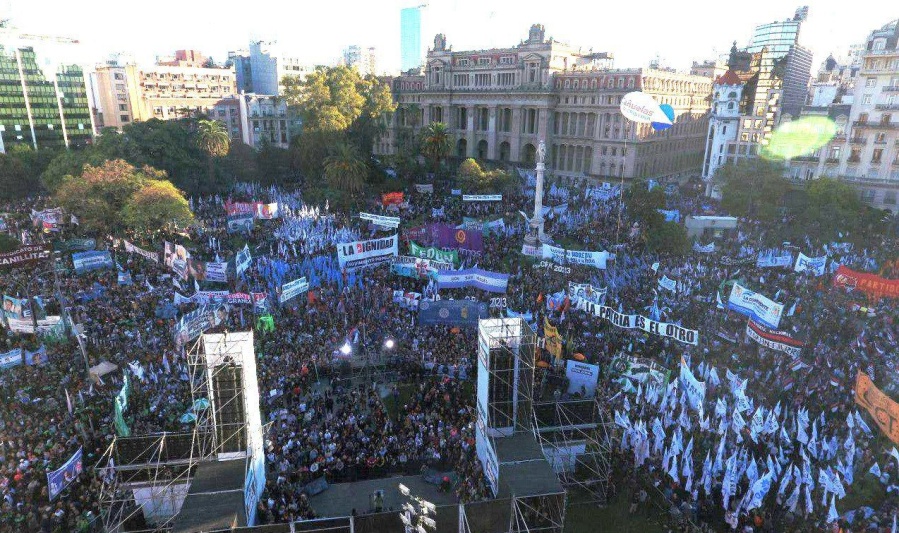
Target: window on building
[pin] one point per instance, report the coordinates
(123, 107)
(463, 62)
(507, 79)
(435, 73)
(886, 118)
(483, 61)
(834, 152)
(124, 118)
(507, 60)
(532, 72)
(505, 120)
(870, 82)
(855, 155)
(877, 155)
(460, 80)
(866, 99)
(482, 80)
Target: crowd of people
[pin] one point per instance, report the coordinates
(416, 412)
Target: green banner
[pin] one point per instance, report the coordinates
(265, 323)
(121, 404)
(435, 254)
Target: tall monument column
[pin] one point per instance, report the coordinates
(536, 234)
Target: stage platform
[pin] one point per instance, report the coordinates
(342, 498)
(215, 499)
(523, 469)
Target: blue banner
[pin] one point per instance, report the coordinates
(473, 277)
(671, 216)
(451, 312)
(59, 479)
(87, 261)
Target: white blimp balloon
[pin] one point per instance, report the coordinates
(639, 107)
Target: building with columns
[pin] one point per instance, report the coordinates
(498, 105)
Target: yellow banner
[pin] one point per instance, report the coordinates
(553, 339)
(883, 408)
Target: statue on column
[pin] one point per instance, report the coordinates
(535, 235)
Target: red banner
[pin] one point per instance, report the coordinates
(870, 284)
(241, 208)
(392, 198)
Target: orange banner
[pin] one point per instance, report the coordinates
(883, 408)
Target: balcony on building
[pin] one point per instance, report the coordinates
(857, 140)
(876, 125)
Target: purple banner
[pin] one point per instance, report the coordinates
(464, 239)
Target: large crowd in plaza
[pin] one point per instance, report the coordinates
(776, 442)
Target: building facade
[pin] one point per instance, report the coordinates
(45, 97)
(865, 151)
(363, 59)
(265, 120)
(410, 38)
(498, 105)
(262, 67)
(129, 93)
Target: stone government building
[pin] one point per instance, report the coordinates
(498, 105)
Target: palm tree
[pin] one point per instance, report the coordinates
(435, 143)
(213, 139)
(344, 169)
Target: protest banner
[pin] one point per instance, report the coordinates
(774, 259)
(585, 292)
(392, 198)
(242, 260)
(196, 322)
(87, 261)
(663, 329)
(813, 265)
(59, 479)
(217, 272)
(239, 298)
(562, 256)
(364, 254)
(473, 277)
(552, 267)
(774, 339)
(240, 208)
(417, 268)
(463, 313)
(240, 223)
(881, 407)
(407, 299)
(668, 284)
(704, 248)
(755, 306)
(132, 249)
(737, 261)
(482, 197)
(267, 211)
(693, 388)
(11, 358)
(672, 215)
(870, 284)
(634, 372)
(75, 245)
(207, 297)
(424, 188)
(463, 239)
(380, 220)
(553, 339)
(434, 254)
(16, 308)
(293, 289)
(24, 255)
(582, 378)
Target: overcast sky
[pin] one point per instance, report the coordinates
(316, 31)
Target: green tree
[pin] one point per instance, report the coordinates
(213, 139)
(158, 204)
(435, 143)
(14, 181)
(474, 179)
(834, 207)
(99, 194)
(344, 169)
(667, 238)
(755, 188)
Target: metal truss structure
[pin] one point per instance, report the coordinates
(145, 478)
(576, 437)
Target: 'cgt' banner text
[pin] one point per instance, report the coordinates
(664, 329)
